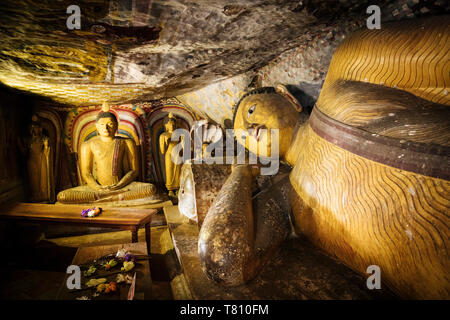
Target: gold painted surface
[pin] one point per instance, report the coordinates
(116, 169)
(410, 55)
(265, 111)
(167, 146)
(366, 213)
(386, 111)
(361, 211)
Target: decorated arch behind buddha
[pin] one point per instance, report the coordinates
(141, 122)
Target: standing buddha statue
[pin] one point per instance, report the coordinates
(166, 146)
(39, 164)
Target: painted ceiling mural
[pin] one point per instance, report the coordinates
(130, 51)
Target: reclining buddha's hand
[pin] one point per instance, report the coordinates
(254, 168)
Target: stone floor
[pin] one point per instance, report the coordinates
(36, 272)
(307, 273)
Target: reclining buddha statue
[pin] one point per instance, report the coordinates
(109, 167)
(370, 166)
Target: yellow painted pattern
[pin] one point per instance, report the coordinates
(363, 212)
(367, 213)
(410, 56)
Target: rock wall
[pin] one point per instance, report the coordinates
(303, 68)
(128, 51)
(13, 126)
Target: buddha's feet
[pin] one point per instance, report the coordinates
(134, 192)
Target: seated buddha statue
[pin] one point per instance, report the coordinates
(109, 167)
(370, 166)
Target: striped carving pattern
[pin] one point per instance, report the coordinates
(408, 55)
(391, 82)
(367, 213)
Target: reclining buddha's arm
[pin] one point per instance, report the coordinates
(226, 239)
(240, 232)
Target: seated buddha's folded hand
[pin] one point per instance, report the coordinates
(114, 187)
(108, 188)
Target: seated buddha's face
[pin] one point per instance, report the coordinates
(106, 127)
(265, 111)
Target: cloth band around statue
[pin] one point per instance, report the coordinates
(427, 159)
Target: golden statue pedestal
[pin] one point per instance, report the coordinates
(135, 194)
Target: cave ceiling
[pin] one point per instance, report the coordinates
(128, 51)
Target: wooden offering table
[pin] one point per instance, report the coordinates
(121, 218)
(85, 255)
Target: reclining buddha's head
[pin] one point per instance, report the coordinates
(261, 110)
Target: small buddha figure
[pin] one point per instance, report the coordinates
(39, 164)
(109, 167)
(207, 133)
(166, 146)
